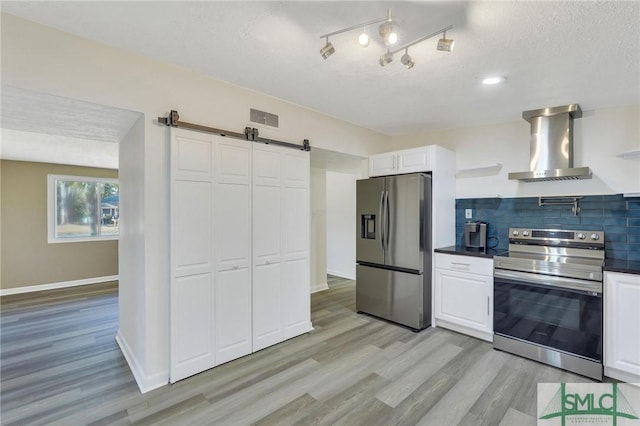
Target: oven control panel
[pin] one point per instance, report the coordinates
(555, 236)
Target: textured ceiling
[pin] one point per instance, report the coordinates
(35, 112)
(552, 53)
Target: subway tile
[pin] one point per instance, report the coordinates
(619, 229)
(633, 221)
(615, 238)
(614, 254)
(633, 203)
(591, 213)
(617, 246)
(634, 252)
(633, 239)
(616, 221)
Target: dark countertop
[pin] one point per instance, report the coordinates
(463, 251)
(624, 266)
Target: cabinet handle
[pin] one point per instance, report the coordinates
(394, 161)
(461, 266)
(487, 305)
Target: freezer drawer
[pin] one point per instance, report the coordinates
(395, 296)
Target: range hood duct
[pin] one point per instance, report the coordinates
(552, 145)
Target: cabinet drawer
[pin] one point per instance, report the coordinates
(470, 264)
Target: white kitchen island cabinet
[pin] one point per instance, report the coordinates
(622, 326)
(239, 249)
(463, 297)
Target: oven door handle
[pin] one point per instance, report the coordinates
(582, 286)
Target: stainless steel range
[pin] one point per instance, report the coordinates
(548, 298)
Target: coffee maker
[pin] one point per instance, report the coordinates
(475, 235)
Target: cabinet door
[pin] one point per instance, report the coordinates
(464, 299)
(267, 246)
(382, 164)
(414, 160)
(232, 241)
(622, 325)
(192, 343)
(296, 291)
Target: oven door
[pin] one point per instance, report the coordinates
(560, 313)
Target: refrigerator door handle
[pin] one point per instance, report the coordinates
(380, 219)
(387, 229)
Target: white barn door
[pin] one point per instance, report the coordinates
(192, 265)
(232, 235)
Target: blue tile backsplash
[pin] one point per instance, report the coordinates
(617, 216)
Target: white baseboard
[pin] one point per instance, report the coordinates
(145, 383)
(623, 376)
(342, 274)
(53, 286)
(319, 287)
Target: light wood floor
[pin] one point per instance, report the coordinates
(61, 365)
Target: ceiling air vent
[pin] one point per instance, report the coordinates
(264, 118)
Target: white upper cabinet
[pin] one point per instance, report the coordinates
(415, 160)
(400, 162)
(382, 164)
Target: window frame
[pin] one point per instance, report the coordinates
(52, 195)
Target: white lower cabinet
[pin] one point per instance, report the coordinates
(622, 326)
(464, 294)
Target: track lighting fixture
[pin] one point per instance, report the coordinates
(387, 32)
(327, 50)
(363, 39)
(386, 58)
(445, 44)
(407, 60)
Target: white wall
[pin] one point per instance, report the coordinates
(38, 58)
(318, 229)
(341, 224)
(599, 136)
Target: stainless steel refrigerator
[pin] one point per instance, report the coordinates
(393, 248)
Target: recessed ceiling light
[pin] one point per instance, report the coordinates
(493, 80)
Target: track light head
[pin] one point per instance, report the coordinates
(363, 40)
(386, 58)
(327, 50)
(387, 32)
(445, 44)
(407, 60)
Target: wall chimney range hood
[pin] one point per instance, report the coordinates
(552, 145)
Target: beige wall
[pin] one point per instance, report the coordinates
(27, 258)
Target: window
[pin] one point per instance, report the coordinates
(83, 208)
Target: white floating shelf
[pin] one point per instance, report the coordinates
(479, 171)
(631, 194)
(630, 155)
